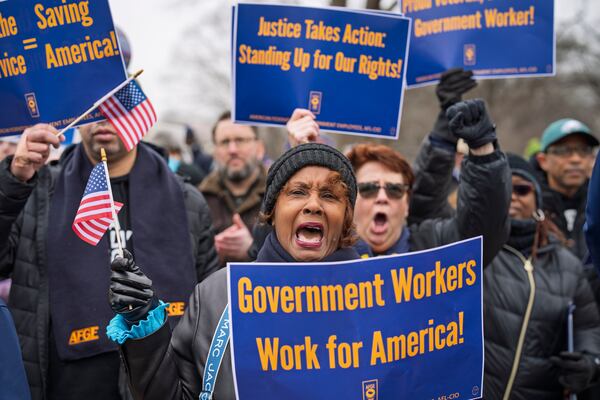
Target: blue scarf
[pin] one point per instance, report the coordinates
(400, 247)
(272, 251)
(78, 273)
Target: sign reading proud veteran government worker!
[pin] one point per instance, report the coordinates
(396, 327)
(346, 66)
(57, 57)
(494, 39)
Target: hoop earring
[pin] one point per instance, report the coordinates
(539, 215)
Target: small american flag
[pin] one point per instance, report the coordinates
(130, 112)
(94, 215)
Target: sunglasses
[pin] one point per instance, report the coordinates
(522, 190)
(368, 190)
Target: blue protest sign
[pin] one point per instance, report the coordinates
(56, 60)
(396, 327)
(494, 39)
(346, 66)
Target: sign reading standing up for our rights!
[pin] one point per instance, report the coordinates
(394, 327)
(493, 38)
(346, 66)
(57, 57)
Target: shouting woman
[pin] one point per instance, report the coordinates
(311, 190)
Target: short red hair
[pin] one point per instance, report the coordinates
(364, 153)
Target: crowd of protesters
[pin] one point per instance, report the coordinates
(183, 221)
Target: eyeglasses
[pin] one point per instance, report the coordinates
(239, 142)
(369, 190)
(567, 151)
(522, 190)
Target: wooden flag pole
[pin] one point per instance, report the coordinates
(112, 202)
(102, 100)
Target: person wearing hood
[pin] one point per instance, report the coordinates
(309, 202)
(528, 289)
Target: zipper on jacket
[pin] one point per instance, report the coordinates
(528, 266)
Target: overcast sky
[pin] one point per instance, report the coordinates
(154, 25)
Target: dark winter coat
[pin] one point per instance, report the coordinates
(558, 278)
(13, 382)
(23, 229)
(222, 206)
(592, 229)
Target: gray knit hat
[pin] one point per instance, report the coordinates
(304, 155)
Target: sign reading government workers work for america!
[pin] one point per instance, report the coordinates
(395, 327)
(493, 38)
(346, 66)
(56, 59)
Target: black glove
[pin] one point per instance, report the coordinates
(441, 130)
(470, 121)
(130, 292)
(577, 370)
(453, 84)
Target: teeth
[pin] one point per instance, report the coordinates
(309, 234)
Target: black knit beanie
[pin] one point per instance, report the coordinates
(304, 155)
(519, 166)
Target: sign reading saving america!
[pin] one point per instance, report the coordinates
(56, 59)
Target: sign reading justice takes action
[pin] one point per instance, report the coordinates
(346, 66)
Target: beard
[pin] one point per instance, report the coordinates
(240, 175)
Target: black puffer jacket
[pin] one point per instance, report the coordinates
(485, 185)
(558, 279)
(433, 182)
(170, 366)
(23, 229)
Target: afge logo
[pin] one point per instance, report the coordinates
(32, 105)
(369, 389)
(314, 102)
(470, 54)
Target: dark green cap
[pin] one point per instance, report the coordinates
(565, 127)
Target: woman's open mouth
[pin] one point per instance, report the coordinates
(380, 223)
(309, 235)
